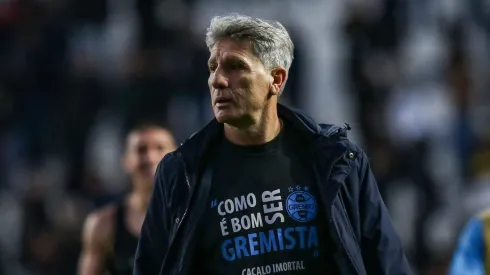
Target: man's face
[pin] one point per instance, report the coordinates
(239, 83)
(144, 151)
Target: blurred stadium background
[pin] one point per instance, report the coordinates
(410, 76)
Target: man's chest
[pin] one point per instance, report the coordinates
(264, 212)
(263, 209)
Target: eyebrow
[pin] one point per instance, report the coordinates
(231, 58)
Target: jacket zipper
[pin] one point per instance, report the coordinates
(185, 212)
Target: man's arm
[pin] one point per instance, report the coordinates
(468, 257)
(153, 241)
(94, 245)
(381, 247)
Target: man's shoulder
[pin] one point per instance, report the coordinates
(328, 129)
(197, 146)
(102, 216)
(333, 130)
(169, 159)
(338, 136)
(336, 140)
(169, 165)
(99, 224)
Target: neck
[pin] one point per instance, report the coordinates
(262, 131)
(138, 200)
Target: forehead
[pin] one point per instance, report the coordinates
(149, 136)
(232, 48)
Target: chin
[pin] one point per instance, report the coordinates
(225, 116)
(148, 186)
(148, 178)
(223, 119)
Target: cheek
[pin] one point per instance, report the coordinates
(258, 88)
(131, 168)
(245, 83)
(263, 83)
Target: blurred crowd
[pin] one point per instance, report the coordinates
(411, 77)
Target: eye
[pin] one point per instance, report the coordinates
(236, 66)
(212, 68)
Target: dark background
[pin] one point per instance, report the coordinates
(411, 77)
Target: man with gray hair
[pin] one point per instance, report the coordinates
(262, 188)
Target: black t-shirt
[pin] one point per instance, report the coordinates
(265, 214)
(125, 243)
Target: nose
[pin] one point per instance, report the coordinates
(218, 80)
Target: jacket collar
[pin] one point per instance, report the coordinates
(197, 146)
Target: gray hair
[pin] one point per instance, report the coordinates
(270, 41)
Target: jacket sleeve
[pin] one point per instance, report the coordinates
(381, 247)
(153, 240)
(468, 257)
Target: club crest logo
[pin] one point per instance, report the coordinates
(301, 205)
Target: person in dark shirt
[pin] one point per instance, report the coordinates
(263, 189)
(110, 235)
(267, 195)
(264, 203)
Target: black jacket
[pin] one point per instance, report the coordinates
(359, 221)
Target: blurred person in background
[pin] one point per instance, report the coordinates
(110, 234)
(471, 255)
(259, 171)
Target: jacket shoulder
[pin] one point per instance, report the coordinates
(332, 130)
(328, 130)
(337, 135)
(168, 161)
(168, 168)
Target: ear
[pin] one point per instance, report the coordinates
(279, 76)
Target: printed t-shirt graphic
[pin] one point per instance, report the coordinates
(264, 215)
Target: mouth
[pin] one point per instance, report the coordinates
(222, 101)
(147, 170)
